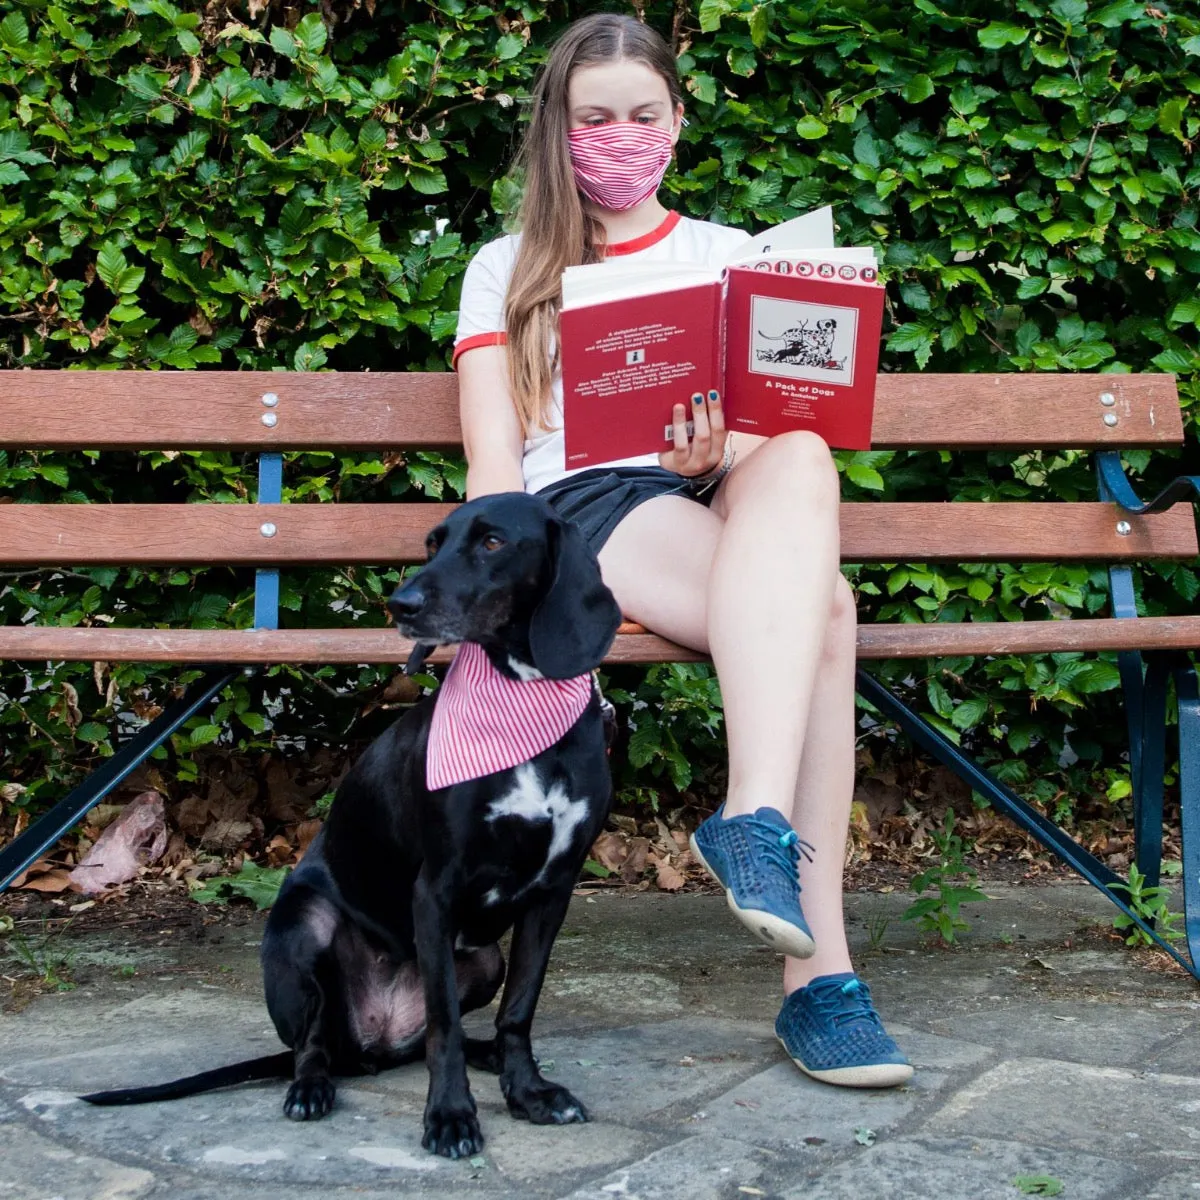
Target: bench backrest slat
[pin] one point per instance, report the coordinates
(385, 534)
(48, 410)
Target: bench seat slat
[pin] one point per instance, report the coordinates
(54, 410)
(633, 644)
(73, 535)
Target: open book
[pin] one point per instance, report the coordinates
(787, 330)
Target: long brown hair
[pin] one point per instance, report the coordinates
(555, 230)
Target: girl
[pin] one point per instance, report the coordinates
(739, 559)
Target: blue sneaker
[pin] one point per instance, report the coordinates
(756, 859)
(832, 1032)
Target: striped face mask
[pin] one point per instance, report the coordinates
(619, 165)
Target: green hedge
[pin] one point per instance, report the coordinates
(185, 189)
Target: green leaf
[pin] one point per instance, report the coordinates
(258, 884)
(864, 476)
(283, 43)
(93, 732)
(1000, 34)
(14, 33)
(1038, 1185)
(202, 735)
(1031, 286)
(427, 181)
(969, 713)
(509, 46)
(372, 138)
(1170, 116)
(311, 34)
(759, 24)
(711, 12)
(811, 128)
(110, 262)
(1185, 311)
(918, 88)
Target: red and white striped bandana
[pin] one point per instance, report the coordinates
(484, 722)
(620, 164)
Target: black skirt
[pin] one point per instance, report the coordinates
(597, 501)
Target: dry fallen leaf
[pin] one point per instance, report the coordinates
(669, 879)
(51, 882)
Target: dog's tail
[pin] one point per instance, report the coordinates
(271, 1066)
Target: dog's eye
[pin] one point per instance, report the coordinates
(492, 542)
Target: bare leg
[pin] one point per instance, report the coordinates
(663, 563)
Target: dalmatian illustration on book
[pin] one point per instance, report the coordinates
(803, 340)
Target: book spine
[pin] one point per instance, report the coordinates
(719, 339)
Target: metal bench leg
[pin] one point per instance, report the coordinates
(50, 826)
(1189, 801)
(1098, 874)
(1148, 767)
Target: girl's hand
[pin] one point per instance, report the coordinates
(707, 446)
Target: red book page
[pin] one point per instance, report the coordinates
(626, 363)
(802, 352)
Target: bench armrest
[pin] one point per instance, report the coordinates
(1115, 485)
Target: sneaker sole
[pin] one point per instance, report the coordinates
(870, 1075)
(771, 930)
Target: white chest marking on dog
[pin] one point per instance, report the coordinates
(530, 801)
(523, 671)
(492, 897)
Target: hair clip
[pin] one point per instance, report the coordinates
(682, 121)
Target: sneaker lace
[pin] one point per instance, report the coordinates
(847, 1003)
(782, 849)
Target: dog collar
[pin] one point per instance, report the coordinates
(484, 722)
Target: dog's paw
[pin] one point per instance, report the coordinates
(545, 1104)
(452, 1133)
(309, 1099)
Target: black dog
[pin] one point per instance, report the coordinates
(387, 931)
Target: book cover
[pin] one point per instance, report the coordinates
(802, 349)
(788, 331)
(626, 363)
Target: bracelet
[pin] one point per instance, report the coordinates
(722, 468)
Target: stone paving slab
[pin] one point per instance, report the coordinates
(1050, 1102)
(981, 1169)
(1032, 1058)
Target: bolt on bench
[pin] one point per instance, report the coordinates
(272, 412)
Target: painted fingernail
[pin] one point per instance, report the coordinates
(697, 399)
(714, 396)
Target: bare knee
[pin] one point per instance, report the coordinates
(841, 634)
(794, 467)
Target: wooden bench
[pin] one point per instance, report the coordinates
(269, 413)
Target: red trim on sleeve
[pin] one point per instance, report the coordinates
(647, 239)
(476, 340)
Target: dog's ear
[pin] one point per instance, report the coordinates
(574, 625)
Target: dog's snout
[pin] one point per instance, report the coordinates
(406, 602)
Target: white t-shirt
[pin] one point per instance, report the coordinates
(481, 317)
